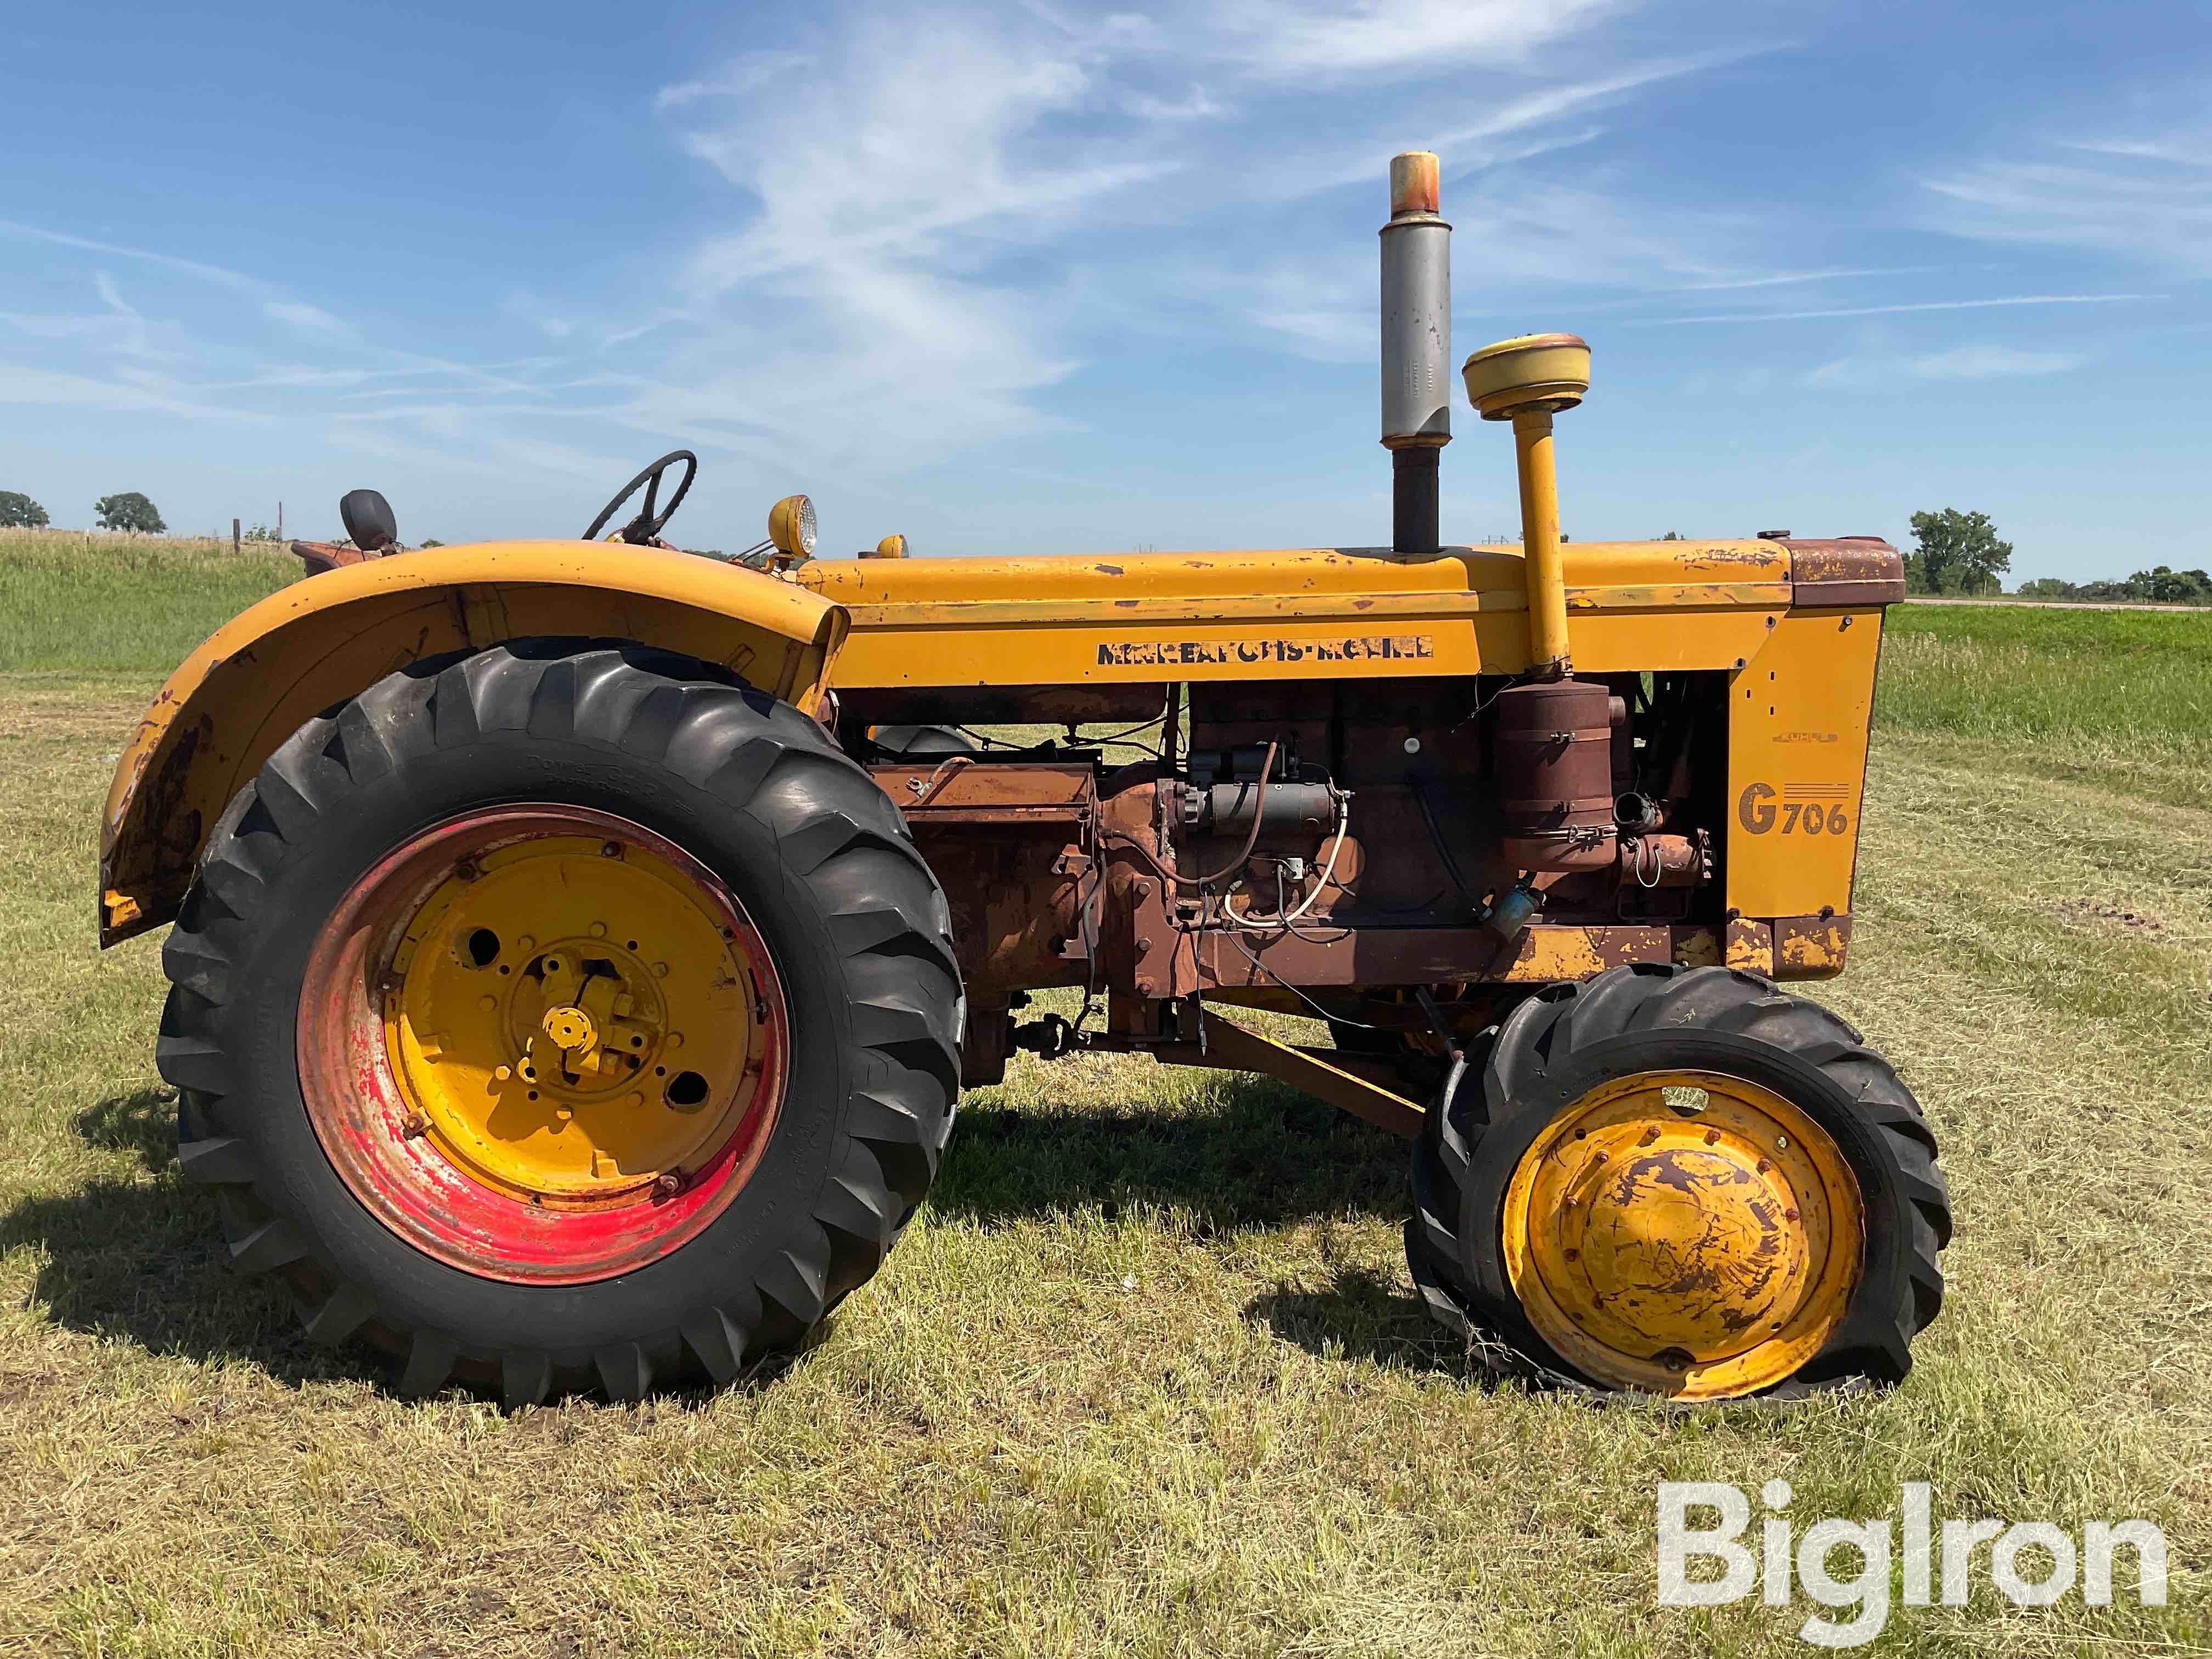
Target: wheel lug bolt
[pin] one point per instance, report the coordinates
(1573, 1255)
(610, 850)
(1712, 1137)
(1602, 1158)
(1789, 1214)
(1649, 1135)
(1765, 1164)
(668, 1184)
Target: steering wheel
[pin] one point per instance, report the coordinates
(645, 529)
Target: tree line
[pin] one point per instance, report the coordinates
(128, 510)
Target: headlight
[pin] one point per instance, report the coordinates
(790, 526)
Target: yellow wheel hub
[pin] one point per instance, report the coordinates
(568, 1020)
(1685, 1233)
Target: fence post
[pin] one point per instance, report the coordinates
(234, 547)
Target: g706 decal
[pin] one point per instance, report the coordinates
(1803, 809)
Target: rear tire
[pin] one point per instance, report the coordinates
(1575, 1043)
(852, 922)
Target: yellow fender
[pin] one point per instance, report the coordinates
(268, 671)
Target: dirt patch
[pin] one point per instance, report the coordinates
(2092, 913)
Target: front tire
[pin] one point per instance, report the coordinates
(480, 1148)
(1681, 1181)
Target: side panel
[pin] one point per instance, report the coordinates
(1297, 614)
(318, 641)
(1798, 714)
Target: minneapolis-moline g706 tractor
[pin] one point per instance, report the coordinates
(580, 945)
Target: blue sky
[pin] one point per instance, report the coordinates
(1040, 277)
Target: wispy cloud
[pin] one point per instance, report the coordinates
(1897, 310)
(1786, 278)
(928, 220)
(199, 268)
(1964, 362)
(753, 72)
(1389, 38)
(297, 313)
(2144, 200)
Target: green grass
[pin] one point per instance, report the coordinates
(1146, 1375)
(109, 604)
(2109, 695)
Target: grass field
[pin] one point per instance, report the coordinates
(1147, 1374)
(116, 603)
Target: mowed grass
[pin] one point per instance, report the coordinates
(2123, 697)
(1146, 1376)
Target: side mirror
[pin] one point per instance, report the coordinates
(368, 522)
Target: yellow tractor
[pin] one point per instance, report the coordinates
(580, 946)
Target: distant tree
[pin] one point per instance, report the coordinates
(2046, 587)
(2163, 586)
(19, 512)
(1960, 552)
(129, 511)
(430, 541)
(1672, 536)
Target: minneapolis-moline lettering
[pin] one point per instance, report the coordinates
(1169, 653)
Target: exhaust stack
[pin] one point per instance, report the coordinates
(1416, 348)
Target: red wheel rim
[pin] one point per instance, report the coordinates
(557, 1165)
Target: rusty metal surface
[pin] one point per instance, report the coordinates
(988, 705)
(1554, 769)
(1425, 956)
(1233, 1047)
(1665, 860)
(985, 1043)
(1748, 944)
(1011, 845)
(1843, 570)
(972, 789)
(319, 557)
(1811, 947)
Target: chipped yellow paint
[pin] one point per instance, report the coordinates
(541, 1081)
(1697, 947)
(1749, 945)
(1798, 714)
(1040, 621)
(1811, 947)
(1684, 1233)
(320, 641)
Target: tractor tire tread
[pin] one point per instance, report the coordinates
(1544, 1033)
(840, 837)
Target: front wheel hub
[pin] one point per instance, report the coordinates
(543, 1042)
(1685, 1233)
